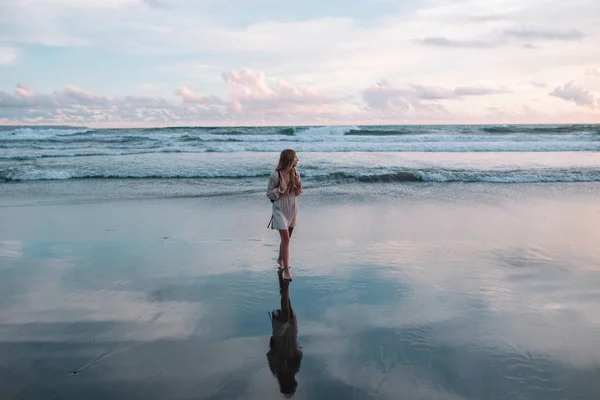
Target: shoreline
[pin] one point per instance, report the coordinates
(38, 193)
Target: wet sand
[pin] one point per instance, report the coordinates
(423, 292)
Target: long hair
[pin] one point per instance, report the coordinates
(286, 160)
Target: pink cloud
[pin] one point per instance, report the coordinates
(382, 96)
(576, 94)
(27, 97)
(390, 102)
(24, 93)
(439, 93)
(189, 96)
(418, 100)
(255, 98)
(251, 90)
(81, 96)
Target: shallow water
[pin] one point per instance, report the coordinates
(455, 292)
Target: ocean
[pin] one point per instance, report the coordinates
(243, 157)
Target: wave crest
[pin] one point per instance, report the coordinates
(316, 177)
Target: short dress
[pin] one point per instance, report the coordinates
(285, 206)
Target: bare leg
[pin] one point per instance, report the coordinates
(280, 259)
(284, 251)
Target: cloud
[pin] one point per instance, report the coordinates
(455, 43)
(576, 94)
(543, 35)
(440, 93)
(84, 97)
(485, 17)
(257, 98)
(67, 5)
(327, 48)
(26, 97)
(189, 96)
(384, 96)
(253, 96)
(417, 101)
(388, 101)
(521, 37)
(252, 90)
(75, 105)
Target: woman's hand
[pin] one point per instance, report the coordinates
(298, 186)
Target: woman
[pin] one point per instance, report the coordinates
(283, 189)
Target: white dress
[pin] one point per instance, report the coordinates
(285, 206)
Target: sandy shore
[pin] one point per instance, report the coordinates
(430, 291)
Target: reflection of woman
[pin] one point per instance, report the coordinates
(284, 353)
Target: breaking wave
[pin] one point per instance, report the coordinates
(318, 178)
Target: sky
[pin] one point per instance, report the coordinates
(119, 63)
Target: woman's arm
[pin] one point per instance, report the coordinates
(274, 186)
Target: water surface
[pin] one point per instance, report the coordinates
(422, 292)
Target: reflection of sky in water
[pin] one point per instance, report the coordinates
(431, 302)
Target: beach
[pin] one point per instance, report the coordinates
(400, 290)
(438, 161)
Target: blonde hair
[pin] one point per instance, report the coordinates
(286, 160)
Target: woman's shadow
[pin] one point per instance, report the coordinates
(284, 354)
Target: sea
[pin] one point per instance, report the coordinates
(213, 161)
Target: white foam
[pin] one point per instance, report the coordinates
(40, 175)
(53, 150)
(313, 176)
(33, 134)
(325, 131)
(512, 177)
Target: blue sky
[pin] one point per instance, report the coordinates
(215, 62)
